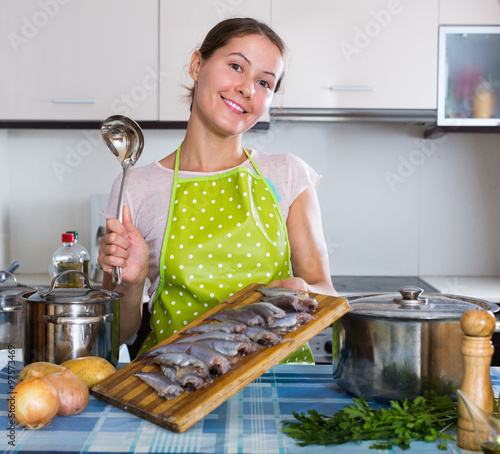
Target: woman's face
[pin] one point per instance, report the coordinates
(235, 86)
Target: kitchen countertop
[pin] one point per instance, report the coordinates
(475, 286)
(487, 288)
(248, 422)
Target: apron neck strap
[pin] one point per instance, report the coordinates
(177, 159)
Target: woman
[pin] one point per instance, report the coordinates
(213, 217)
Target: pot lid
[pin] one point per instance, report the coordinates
(412, 303)
(86, 295)
(9, 291)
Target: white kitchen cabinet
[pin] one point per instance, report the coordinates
(183, 26)
(469, 12)
(359, 54)
(78, 60)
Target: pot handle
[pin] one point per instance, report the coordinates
(56, 320)
(11, 308)
(54, 281)
(6, 275)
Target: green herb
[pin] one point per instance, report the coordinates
(425, 418)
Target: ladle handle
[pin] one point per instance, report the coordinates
(117, 271)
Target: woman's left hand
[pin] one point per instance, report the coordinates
(293, 283)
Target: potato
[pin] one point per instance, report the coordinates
(91, 369)
(40, 367)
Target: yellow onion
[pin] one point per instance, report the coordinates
(36, 402)
(73, 392)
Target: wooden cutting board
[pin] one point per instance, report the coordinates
(129, 393)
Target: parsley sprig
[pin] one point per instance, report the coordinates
(426, 418)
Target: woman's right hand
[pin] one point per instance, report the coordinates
(124, 246)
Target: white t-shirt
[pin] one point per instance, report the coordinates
(149, 189)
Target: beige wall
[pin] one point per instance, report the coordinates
(393, 203)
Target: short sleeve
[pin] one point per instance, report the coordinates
(301, 176)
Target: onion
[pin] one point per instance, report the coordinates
(73, 392)
(36, 402)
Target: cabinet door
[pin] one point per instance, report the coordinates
(183, 26)
(82, 60)
(360, 54)
(469, 12)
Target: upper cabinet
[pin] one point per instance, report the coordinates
(469, 12)
(359, 54)
(82, 61)
(183, 26)
(78, 61)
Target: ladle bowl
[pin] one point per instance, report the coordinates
(124, 138)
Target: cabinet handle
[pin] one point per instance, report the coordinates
(351, 88)
(74, 101)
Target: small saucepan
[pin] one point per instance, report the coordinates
(11, 313)
(66, 323)
(396, 346)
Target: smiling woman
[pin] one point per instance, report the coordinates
(212, 217)
(234, 87)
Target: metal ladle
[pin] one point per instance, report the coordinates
(125, 140)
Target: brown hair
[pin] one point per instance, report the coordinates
(226, 30)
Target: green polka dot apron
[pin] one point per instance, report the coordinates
(223, 232)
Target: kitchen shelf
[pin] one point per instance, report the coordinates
(66, 124)
(438, 131)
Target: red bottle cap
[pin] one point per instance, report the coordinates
(68, 238)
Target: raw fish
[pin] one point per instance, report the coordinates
(244, 315)
(187, 380)
(236, 337)
(293, 303)
(291, 322)
(229, 326)
(179, 360)
(161, 384)
(263, 336)
(217, 363)
(229, 348)
(279, 291)
(269, 311)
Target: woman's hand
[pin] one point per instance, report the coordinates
(293, 283)
(124, 246)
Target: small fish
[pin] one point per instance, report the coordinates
(161, 384)
(187, 380)
(217, 363)
(279, 291)
(229, 326)
(291, 322)
(229, 348)
(293, 303)
(263, 336)
(236, 337)
(179, 360)
(246, 316)
(269, 311)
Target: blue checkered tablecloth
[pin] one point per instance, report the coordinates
(250, 422)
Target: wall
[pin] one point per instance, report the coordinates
(393, 203)
(4, 200)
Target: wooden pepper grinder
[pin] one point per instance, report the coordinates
(477, 350)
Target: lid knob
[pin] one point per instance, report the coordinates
(410, 296)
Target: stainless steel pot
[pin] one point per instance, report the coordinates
(396, 346)
(66, 323)
(11, 314)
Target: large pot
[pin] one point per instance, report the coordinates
(396, 346)
(66, 323)
(11, 313)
